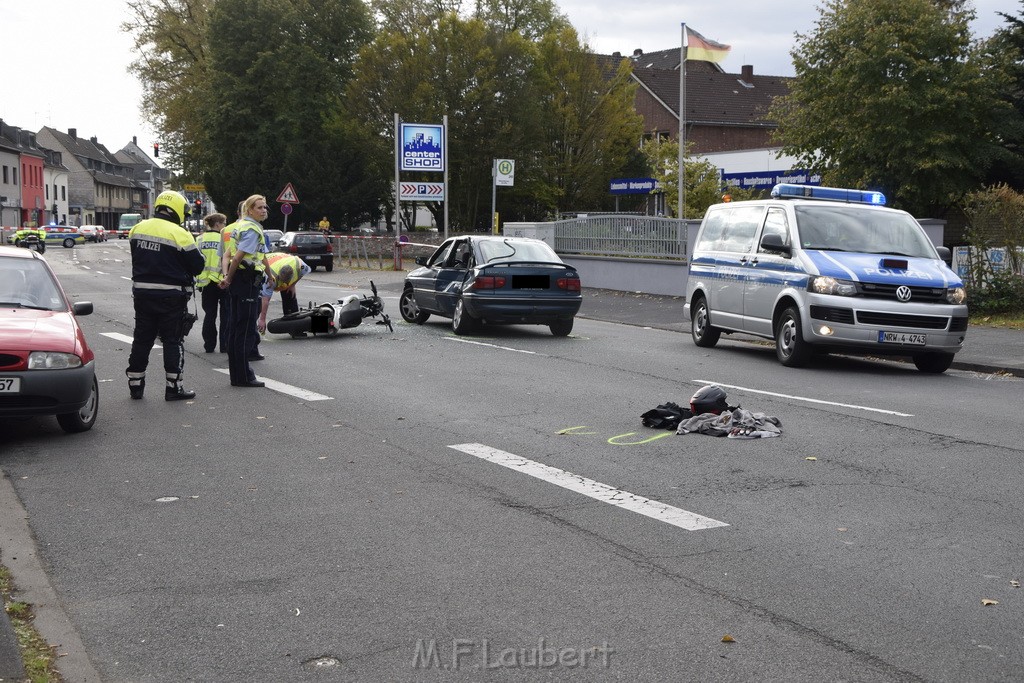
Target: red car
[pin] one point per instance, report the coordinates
(46, 366)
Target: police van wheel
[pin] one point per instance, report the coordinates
(700, 325)
(933, 362)
(790, 347)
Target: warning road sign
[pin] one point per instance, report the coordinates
(288, 195)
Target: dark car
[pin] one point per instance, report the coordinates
(312, 247)
(496, 281)
(46, 366)
(273, 236)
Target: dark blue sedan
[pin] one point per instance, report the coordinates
(493, 280)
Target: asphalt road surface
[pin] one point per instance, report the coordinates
(416, 506)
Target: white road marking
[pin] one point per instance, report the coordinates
(808, 400)
(124, 338)
(493, 346)
(594, 489)
(282, 388)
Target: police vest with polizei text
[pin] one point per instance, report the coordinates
(209, 247)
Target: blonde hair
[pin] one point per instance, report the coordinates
(251, 202)
(213, 218)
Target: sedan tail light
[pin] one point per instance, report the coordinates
(293, 249)
(489, 282)
(571, 284)
(330, 248)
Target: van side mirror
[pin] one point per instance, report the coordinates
(773, 242)
(946, 255)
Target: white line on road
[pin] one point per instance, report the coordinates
(493, 346)
(281, 387)
(808, 400)
(594, 489)
(123, 338)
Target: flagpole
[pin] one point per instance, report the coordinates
(682, 123)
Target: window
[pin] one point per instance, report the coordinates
(776, 224)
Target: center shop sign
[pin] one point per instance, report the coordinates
(422, 147)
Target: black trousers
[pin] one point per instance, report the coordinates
(215, 317)
(289, 301)
(158, 314)
(244, 307)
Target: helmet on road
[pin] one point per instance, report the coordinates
(709, 399)
(175, 202)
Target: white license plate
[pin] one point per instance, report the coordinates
(10, 385)
(907, 338)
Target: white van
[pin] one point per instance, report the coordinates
(818, 268)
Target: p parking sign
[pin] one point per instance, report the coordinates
(422, 147)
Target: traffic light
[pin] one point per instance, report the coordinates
(198, 210)
(156, 149)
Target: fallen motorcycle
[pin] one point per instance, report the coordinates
(331, 318)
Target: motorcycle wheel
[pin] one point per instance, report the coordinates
(293, 323)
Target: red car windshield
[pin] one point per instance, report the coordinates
(26, 283)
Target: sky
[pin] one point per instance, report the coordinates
(71, 56)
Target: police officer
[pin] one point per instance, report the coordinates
(165, 261)
(287, 270)
(210, 245)
(244, 279)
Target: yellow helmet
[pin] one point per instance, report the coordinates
(173, 201)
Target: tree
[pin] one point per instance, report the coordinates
(1005, 54)
(891, 96)
(702, 184)
(278, 69)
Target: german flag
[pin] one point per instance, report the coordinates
(700, 49)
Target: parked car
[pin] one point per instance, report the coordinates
(273, 236)
(63, 235)
(92, 233)
(46, 365)
(312, 247)
(825, 269)
(493, 280)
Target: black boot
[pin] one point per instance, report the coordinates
(136, 384)
(176, 392)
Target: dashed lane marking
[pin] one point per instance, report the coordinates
(282, 388)
(594, 489)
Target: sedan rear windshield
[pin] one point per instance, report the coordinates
(508, 250)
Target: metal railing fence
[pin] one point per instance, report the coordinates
(627, 236)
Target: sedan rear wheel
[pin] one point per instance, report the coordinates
(462, 322)
(561, 328)
(85, 418)
(69, 242)
(411, 313)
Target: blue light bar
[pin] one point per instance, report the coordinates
(832, 194)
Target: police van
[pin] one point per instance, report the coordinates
(825, 269)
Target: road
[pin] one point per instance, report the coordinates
(455, 509)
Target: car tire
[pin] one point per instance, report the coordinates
(411, 313)
(329, 267)
(68, 242)
(17, 243)
(790, 347)
(462, 322)
(85, 418)
(561, 328)
(934, 362)
(312, 268)
(704, 335)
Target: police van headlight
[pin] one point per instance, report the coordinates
(822, 284)
(956, 295)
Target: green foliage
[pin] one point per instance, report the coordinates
(891, 96)
(274, 111)
(1004, 55)
(702, 185)
(995, 221)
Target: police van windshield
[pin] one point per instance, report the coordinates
(835, 227)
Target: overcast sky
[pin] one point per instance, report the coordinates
(70, 56)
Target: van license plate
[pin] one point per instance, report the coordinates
(902, 338)
(10, 385)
